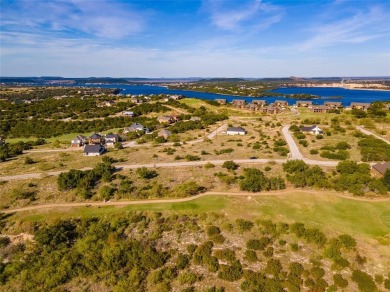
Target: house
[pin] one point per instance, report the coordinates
(320, 109)
(164, 119)
(235, 131)
(315, 130)
(79, 141)
(136, 100)
(108, 103)
(94, 150)
(333, 104)
(281, 103)
(252, 106)
(176, 97)
(360, 105)
(111, 139)
(304, 103)
(164, 133)
(271, 109)
(128, 113)
(175, 118)
(239, 103)
(95, 139)
(379, 169)
(136, 127)
(260, 103)
(195, 119)
(221, 100)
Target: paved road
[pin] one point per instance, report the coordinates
(161, 201)
(294, 150)
(364, 131)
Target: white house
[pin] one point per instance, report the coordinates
(312, 130)
(136, 127)
(235, 131)
(93, 150)
(128, 113)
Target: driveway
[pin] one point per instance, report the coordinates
(294, 150)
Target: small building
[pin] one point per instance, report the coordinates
(253, 107)
(239, 103)
(221, 100)
(95, 139)
(259, 102)
(79, 141)
(128, 113)
(304, 103)
(164, 133)
(94, 150)
(175, 118)
(315, 130)
(164, 119)
(136, 100)
(333, 104)
(379, 169)
(320, 109)
(195, 119)
(108, 103)
(281, 103)
(360, 105)
(235, 131)
(136, 127)
(271, 109)
(176, 97)
(111, 139)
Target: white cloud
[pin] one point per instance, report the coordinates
(359, 28)
(253, 14)
(103, 18)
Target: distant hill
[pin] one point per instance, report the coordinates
(222, 80)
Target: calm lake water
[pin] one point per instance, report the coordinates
(326, 94)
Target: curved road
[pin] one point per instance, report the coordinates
(295, 154)
(161, 201)
(364, 131)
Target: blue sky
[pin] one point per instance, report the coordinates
(194, 38)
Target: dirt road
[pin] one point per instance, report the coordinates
(161, 201)
(364, 131)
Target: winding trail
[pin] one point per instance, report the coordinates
(162, 201)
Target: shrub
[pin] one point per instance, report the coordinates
(319, 137)
(190, 157)
(244, 225)
(145, 173)
(250, 256)
(304, 143)
(212, 230)
(230, 165)
(364, 281)
(313, 151)
(231, 273)
(28, 160)
(106, 192)
(340, 281)
(225, 254)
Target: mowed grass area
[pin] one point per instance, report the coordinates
(322, 209)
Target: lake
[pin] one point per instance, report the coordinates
(326, 93)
